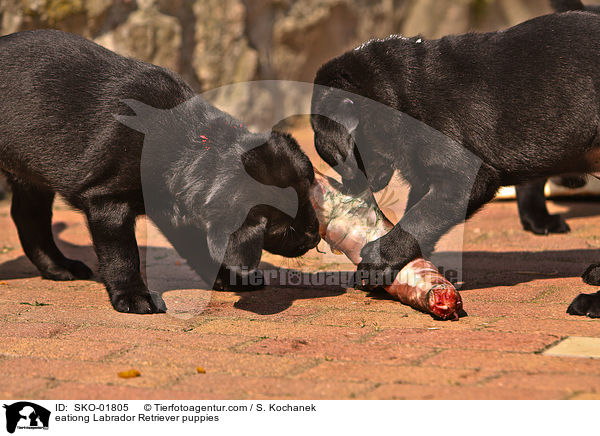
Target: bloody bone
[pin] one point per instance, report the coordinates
(348, 223)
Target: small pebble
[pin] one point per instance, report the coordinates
(130, 373)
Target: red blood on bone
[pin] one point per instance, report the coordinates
(445, 302)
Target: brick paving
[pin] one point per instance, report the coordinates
(325, 342)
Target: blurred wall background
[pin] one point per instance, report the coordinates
(216, 42)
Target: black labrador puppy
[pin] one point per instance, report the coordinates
(522, 101)
(531, 202)
(66, 128)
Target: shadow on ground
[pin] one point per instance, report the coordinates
(485, 269)
(481, 269)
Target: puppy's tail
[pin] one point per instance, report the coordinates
(567, 5)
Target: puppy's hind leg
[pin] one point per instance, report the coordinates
(31, 211)
(533, 212)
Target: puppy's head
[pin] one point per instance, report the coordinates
(337, 126)
(291, 225)
(343, 109)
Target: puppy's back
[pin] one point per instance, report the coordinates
(62, 75)
(58, 96)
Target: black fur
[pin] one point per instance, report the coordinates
(58, 134)
(532, 206)
(2, 189)
(524, 100)
(572, 5)
(530, 197)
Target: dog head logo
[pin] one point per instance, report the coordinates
(206, 145)
(26, 415)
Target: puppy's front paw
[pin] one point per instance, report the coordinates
(369, 276)
(141, 303)
(591, 276)
(585, 305)
(376, 269)
(545, 225)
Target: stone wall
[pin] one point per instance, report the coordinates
(216, 42)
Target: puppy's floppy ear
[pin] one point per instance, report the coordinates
(346, 114)
(271, 178)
